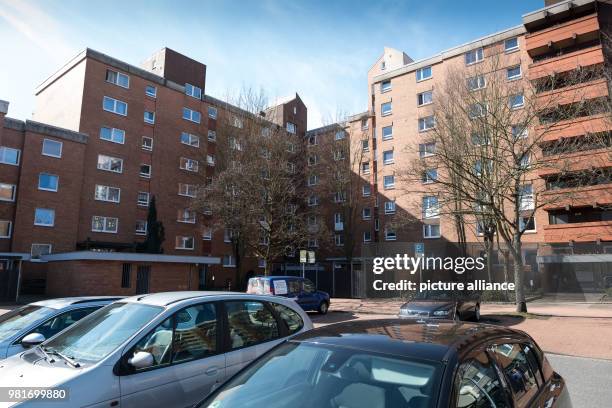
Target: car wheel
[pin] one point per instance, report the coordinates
(477, 313)
(323, 308)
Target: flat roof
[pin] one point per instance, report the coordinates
(129, 256)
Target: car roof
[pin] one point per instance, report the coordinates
(61, 303)
(431, 340)
(167, 298)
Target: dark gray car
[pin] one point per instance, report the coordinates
(443, 305)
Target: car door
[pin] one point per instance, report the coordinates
(308, 296)
(252, 329)
(187, 360)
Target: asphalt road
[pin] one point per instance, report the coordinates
(589, 380)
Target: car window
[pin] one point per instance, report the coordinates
(309, 287)
(479, 386)
(58, 323)
(250, 322)
(532, 359)
(195, 335)
(289, 317)
(518, 373)
(293, 286)
(158, 342)
(14, 321)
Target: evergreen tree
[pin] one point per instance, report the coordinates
(155, 231)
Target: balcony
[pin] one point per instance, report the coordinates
(589, 196)
(583, 58)
(572, 162)
(571, 94)
(575, 127)
(564, 35)
(578, 232)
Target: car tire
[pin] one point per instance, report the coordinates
(477, 313)
(323, 308)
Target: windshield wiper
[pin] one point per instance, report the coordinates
(71, 361)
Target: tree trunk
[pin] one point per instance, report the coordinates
(489, 252)
(521, 305)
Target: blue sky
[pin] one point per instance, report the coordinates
(321, 49)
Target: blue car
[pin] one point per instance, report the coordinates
(302, 290)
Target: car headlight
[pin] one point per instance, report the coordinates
(442, 312)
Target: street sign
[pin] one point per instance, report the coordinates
(303, 256)
(311, 257)
(419, 249)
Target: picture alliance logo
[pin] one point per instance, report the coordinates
(412, 264)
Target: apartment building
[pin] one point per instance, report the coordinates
(77, 180)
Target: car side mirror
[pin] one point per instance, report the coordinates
(141, 359)
(32, 340)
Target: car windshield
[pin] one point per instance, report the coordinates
(321, 375)
(99, 334)
(19, 319)
(435, 295)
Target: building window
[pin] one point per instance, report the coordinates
(364, 124)
(526, 201)
(210, 160)
(340, 135)
(527, 224)
(117, 78)
(212, 136)
(107, 193)
(191, 115)
(340, 196)
(511, 44)
(9, 156)
(474, 56)
(376, 224)
(141, 227)
(388, 157)
(186, 215)
(291, 128)
(366, 190)
(385, 109)
(525, 161)
(313, 159)
(365, 168)
(367, 236)
(390, 234)
(185, 243)
(187, 190)
(387, 132)
(339, 239)
(383, 65)
(426, 123)
(430, 207)
(385, 86)
(48, 182)
(52, 148)
(145, 170)
(7, 192)
(112, 135)
(513, 73)
(477, 110)
(190, 140)
(126, 274)
(212, 112)
(193, 91)
(114, 106)
(312, 140)
(338, 155)
(104, 224)
(517, 101)
(519, 132)
(151, 91)
(476, 83)
(429, 176)
(229, 261)
(37, 250)
(5, 228)
(147, 143)
(143, 198)
(44, 217)
(425, 98)
(313, 180)
(237, 122)
(423, 73)
(313, 243)
(366, 213)
(365, 145)
(189, 164)
(427, 149)
(149, 117)
(389, 207)
(431, 231)
(389, 182)
(207, 234)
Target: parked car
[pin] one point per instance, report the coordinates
(302, 290)
(158, 350)
(32, 324)
(443, 305)
(398, 363)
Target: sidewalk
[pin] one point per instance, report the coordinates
(391, 307)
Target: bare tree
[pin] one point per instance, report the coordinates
(488, 169)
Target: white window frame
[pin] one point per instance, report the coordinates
(40, 224)
(384, 88)
(186, 216)
(389, 136)
(116, 103)
(105, 221)
(184, 190)
(424, 125)
(420, 96)
(143, 203)
(522, 224)
(150, 121)
(212, 112)
(141, 231)
(291, 128)
(144, 146)
(365, 167)
(3, 150)
(231, 261)
(366, 213)
(478, 55)
(426, 179)
(193, 91)
(57, 142)
(13, 188)
(366, 190)
(145, 174)
(514, 77)
(339, 240)
(105, 196)
(113, 135)
(188, 164)
(427, 231)
(387, 112)
(430, 211)
(184, 239)
(212, 136)
(207, 234)
(192, 140)
(420, 73)
(48, 189)
(390, 234)
(313, 180)
(367, 238)
(118, 75)
(210, 160)
(388, 161)
(522, 104)
(481, 82)
(40, 252)
(10, 229)
(511, 49)
(340, 135)
(423, 151)
(389, 186)
(149, 94)
(189, 114)
(391, 208)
